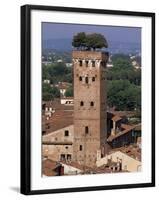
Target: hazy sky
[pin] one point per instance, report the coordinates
(112, 33)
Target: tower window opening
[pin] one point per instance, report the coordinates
(93, 63)
(93, 79)
(86, 79)
(80, 78)
(86, 63)
(80, 147)
(66, 133)
(92, 103)
(81, 103)
(86, 129)
(80, 63)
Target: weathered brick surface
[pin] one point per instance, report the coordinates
(94, 117)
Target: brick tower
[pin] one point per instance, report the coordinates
(90, 118)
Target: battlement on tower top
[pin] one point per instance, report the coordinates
(92, 55)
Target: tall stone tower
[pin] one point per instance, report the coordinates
(90, 104)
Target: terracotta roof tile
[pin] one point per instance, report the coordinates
(49, 167)
(58, 120)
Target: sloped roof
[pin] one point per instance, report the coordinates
(59, 120)
(49, 167)
(126, 128)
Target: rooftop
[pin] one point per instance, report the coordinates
(126, 128)
(58, 120)
(49, 167)
(131, 150)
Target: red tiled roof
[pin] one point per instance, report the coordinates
(130, 150)
(77, 165)
(48, 167)
(58, 120)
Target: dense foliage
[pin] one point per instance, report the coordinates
(49, 93)
(124, 84)
(123, 95)
(69, 92)
(123, 70)
(57, 72)
(93, 41)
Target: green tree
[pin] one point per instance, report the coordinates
(93, 41)
(57, 69)
(96, 41)
(55, 92)
(49, 93)
(123, 70)
(124, 95)
(121, 63)
(79, 40)
(69, 92)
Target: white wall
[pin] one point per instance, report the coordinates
(9, 101)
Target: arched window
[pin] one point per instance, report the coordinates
(93, 79)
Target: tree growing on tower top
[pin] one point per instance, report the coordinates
(94, 41)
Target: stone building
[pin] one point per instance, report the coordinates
(57, 145)
(90, 119)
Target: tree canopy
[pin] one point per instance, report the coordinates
(69, 92)
(85, 41)
(49, 93)
(124, 95)
(57, 72)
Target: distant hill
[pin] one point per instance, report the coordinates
(65, 44)
(58, 44)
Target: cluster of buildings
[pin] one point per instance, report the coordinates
(80, 135)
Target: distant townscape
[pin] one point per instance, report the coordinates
(91, 107)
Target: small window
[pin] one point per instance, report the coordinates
(92, 103)
(93, 79)
(80, 63)
(66, 147)
(81, 103)
(62, 157)
(69, 157)
(93, 63)
(86, 129)
(86, 79)
(80, 147)
(66, 133)
(80, 78)
(86, 63)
